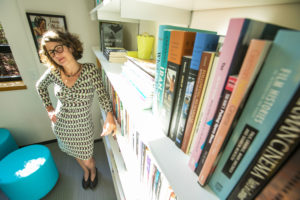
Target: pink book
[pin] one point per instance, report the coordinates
(232, 41)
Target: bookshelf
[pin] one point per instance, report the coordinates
(133, 11)
(164, 151)
(166, 154)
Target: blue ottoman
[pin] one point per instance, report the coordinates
(7, 143)
(28, 173)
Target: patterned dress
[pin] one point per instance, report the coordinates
(74, 128)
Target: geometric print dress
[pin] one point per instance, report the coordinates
(74, 127)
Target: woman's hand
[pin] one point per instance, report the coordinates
(109, 125)
(51, 113)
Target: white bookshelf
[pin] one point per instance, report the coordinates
(172, 162)
(133, 11)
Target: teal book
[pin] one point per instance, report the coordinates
(275, 86)
(162, 55)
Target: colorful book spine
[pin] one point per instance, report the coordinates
(276, 85)
(281, 142)
(162, 69)
(219, 115)
(255, 56)
(286, 183)
(238, 36)
(182, 82)
(203, 42)
(204, 86)
(181, 43)
(162, 54)
(187, 131)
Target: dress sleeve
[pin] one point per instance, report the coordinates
(103, 96)
(42, 87)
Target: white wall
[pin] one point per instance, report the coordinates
(21, 111)
(218, 19)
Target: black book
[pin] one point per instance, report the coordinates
(111, 35)
(278, 146)
(182, 84)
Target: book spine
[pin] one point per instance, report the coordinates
(181, 43)
(188, 136)
(219, 115)
(162, 48)
(274, 88)
(182, 81)
(203, 42)
(286, 183)
(163, 68)
(183, 130)
(253, 61)
(166, 111)
(230, 44)
(281, 142)
(197, 94)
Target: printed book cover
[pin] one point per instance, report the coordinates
(239, 34)
(276, 85)
(255, 56)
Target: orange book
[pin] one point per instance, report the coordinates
(252, 63)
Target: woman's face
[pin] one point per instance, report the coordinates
(61, 54)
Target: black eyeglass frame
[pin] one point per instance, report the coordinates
(57, 49)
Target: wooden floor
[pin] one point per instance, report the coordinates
(69, 187)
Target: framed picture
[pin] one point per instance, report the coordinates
(40, 23)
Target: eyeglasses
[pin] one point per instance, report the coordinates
(57, 49)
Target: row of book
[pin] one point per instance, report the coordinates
(155, 186)
(140, 75)
(224, 100)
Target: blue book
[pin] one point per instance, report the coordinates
(276, 85)
(162, 54)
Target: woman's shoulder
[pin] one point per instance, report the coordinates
(89, 67)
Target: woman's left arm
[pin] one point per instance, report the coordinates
(109, 125)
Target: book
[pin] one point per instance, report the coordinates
(254, 58)
(203, 42)
(161, 60)
(275, 86)
(282, 141)
(111, 35)
(148, 66)
(239, 34)
(285, 184)
(219, 115)
(207, 88)
(181, 43)
(188, 131)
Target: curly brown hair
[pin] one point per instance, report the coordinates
(65, 38)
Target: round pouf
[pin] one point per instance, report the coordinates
(28, 173)
(7, 143)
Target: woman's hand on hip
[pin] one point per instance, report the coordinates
(52, 116)
(51, 113)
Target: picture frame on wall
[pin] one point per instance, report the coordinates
(40, 23)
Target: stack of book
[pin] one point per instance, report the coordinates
(139, 74)
(115, 54)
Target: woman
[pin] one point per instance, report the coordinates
(74, 86)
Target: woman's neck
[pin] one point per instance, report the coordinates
(71, 68)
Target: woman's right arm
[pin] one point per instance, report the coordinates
(42, 88)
